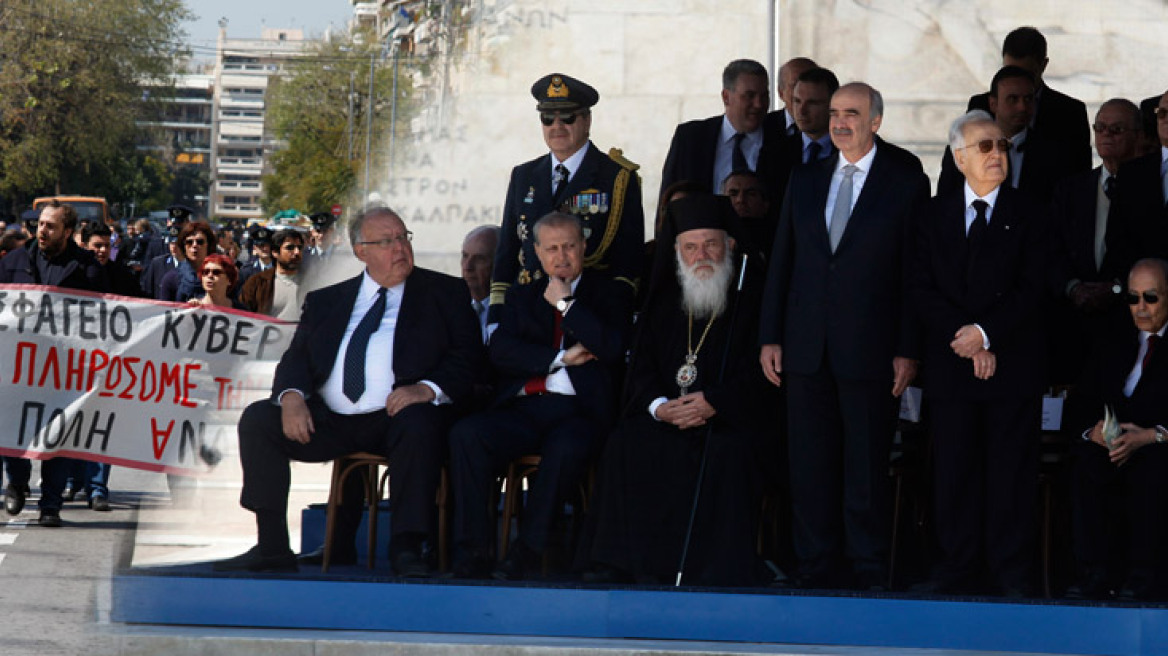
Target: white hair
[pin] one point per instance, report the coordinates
(705, 295)
(957, 129)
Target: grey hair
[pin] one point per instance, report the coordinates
(957, 128)
(875, 100)
(359, 220)
(557, 220)
(740, 67)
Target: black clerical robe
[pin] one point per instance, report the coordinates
(647, 475)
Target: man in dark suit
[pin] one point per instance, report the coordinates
(1129, 376)
(836, 331)
(575, 177)
(1037, 157)
(980, 284)
(53, 259)
(1138, 224)
(1054, 113)
(1088, 278)
(558, 351)
(708, 150)
(373, 366)
(783, 120)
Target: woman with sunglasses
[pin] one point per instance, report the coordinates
(197, 239)
(218, 275)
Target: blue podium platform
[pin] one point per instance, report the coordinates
(350, 598)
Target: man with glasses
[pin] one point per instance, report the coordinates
(604, 191)
(374, 365)
(278, 291)
(1037, 157)
(1137, 224)
(980, 278)
(1090, 279)
(1121, 481)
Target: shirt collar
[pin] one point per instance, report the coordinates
(369, 287)
(864, 163)
(728, 131)
(573, 162)
(824, 141)
(1019, 139)
(990, 198)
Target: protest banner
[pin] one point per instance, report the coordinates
(131, 382)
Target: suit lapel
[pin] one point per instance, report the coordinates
(821, 185)
(334, 327)
(542, 183)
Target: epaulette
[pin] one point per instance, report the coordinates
(617, 155)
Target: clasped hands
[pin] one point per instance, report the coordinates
(969, 343)
(686, 411)
(1132, 438)
(296, 420)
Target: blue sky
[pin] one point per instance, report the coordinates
(246, 18)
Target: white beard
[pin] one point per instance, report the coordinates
(705, 296)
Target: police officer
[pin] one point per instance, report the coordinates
(157, 267)
(260, 238)
(574, 177)
(176, 216)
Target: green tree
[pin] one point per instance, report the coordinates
(322, 160)
(72, 80)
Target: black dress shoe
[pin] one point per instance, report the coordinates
(99, 503)
(50, 518)
(316, 558)
(600, 573)
(872, 581)
(254, 561)
(408, 564)
(1089, 587)
(14, 498)
(520, 562)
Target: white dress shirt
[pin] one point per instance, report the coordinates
(724, 154)
(558, 381)
(572, 164)
(863, 166)
(1133, 378)
(379, 377)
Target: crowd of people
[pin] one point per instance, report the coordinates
(801, 276)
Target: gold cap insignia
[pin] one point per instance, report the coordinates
(557, 89)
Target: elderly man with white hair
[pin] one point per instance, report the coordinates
(692, 379)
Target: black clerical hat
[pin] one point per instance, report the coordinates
(700, 211)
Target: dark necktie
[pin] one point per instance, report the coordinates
(1152, 340)
(1109, 188)
(738, 158)
(813, 151)
(353, 384)
(561, 183)
(977, 231)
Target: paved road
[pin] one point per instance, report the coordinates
(54, 583)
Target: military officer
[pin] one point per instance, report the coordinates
(604, 191)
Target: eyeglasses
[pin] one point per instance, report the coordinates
(214, 273)
(567, 118)
(1161, 113)
(199, 241)
(1151, 298)
(403, 239)
(1114, 129)
(986, 145)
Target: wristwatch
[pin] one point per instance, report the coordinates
(563, 303)
(1160, 437)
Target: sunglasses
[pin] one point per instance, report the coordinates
(214, 273)
(986, 145)
(1151, 298)
(196, 242)
(567, 118)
